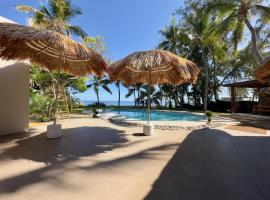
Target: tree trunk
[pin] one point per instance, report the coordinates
(206, 80)
(182, 97)
(134, 99)
(119, 96)
(97, 100)
(254, 41)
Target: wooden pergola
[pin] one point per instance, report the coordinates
(244, 84)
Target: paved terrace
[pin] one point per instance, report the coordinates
(98, 160)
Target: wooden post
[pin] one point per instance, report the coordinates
(56, 98)
(233, 99)
(148, 97)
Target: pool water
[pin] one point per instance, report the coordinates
(141, 115)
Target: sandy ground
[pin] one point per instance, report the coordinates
(98, 160)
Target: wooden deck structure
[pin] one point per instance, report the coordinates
(245, 84)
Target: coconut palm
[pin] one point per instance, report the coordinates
(118, 84)
(155, 96)
(238, 14)
(170, 36)
(99, 82)
(132, 91)
(204, 33)
(56, 16)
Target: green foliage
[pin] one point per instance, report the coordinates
(40, 107)
(95, 112)
(56, 16)
(209, 115)
(99, 82)
(96, 43)
(42, 87)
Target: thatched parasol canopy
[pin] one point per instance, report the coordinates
(153, 67)
(163, 67)
(262, 74)
(48, 49)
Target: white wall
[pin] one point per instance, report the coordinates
(14, 96)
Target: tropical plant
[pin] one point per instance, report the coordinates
(99, 82)
(118, 85)
(209, 115)
(42, 92)
(132, 91)
(155, 95)
(203, 32)
(56, 16)
(236, 15)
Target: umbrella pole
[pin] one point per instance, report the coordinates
(148, 97)
(57, 92)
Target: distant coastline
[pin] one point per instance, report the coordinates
(110, 103)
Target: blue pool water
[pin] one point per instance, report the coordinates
(141, 115)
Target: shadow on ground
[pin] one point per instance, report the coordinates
(211, 164)
(17, 136)
(58, 153)
(75, 142)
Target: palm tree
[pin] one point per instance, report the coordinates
(174, 40)
(239, 14)
(154, 95)
(56, 16)
(96, 83)
(205, 34)
(118, 84)
(132, 91)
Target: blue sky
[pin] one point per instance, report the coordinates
(126, 25)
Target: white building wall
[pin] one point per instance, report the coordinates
(14, 96)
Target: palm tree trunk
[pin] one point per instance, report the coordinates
(97, 100)
(206, 80)
(119, 96)
(254, 41)
(134, 98)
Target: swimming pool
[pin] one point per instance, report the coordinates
(141, 115)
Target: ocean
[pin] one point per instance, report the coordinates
(111, 103)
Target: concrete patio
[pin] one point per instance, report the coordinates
(98, 160)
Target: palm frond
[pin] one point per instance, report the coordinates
(105, 87)
(263, 11)
(221, 5)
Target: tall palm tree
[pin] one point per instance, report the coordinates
(118, 84)
(56, 16)
(239, 14)
(132, 91)
(174, 40)
(97, 83)
(204, 33)
(154, 95)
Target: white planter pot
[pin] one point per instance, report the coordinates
(54, 131)
(148, 129)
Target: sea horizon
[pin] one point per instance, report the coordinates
(110, 103)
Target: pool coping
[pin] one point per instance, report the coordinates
(163, 125)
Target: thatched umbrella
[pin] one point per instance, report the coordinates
(262, 74)
(153, 67)
(49, 49)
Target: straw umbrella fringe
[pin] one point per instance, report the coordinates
(44, 47)
(154, 67)
(50, 50)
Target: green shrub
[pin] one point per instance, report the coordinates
(209, 115)
(95, 112)
(41, 107)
